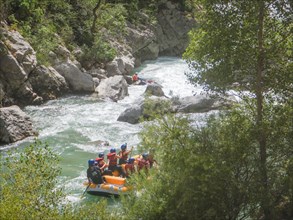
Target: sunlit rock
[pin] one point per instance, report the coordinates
(15, 125)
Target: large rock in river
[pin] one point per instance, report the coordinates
(154, 89)
(115, 88)
(202, 103)
(15, 125)
(131, 115)
(78, 81)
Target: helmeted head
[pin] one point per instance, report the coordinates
(124, 146)
(101, 155)
(131, 160)
(91, 162)
(112, 150)
(145, 155)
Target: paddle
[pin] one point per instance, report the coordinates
(85, 189)
(131, 152)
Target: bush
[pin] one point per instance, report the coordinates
(28, 188)
(212, 172)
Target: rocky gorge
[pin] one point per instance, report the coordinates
(24, 82)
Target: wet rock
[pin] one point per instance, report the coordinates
(15, 125)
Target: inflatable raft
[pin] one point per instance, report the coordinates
(114, 186)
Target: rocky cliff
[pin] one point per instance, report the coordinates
(24, 82)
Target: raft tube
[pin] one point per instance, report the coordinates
(114, 180)
(106, 189)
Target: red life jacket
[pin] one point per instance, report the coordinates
(134, 78)
(112, 159)
(98, 159)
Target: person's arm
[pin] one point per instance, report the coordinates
(105, 165)
(130, 150)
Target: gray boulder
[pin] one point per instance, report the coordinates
(113, 69)
(11, 70)
(115, 88)
(131, 115)
(15, 125)
(48, 83)
(25, 95)
(198, 103)
(77, 80)
(154, 89)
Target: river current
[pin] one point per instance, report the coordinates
(70, 124)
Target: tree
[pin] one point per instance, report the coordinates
(247, 43)
(29, 190)
(211, 171)
(28, 184)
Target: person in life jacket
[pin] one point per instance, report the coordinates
(143, 163)
(112, 162)
(101, 163)
(124, 154)
(94, 173)
(135, 77)
(129, 167)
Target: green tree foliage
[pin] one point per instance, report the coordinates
(211, 171)
(39, 21)
(248, 43)
(76, 23)
(226, 45)
(28, 184)
(29, 190)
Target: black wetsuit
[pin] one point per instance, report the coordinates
(94, 174)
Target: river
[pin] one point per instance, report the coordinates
(69, 124)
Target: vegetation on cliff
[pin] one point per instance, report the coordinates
(90, 24)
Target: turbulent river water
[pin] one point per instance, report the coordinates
(71, 123)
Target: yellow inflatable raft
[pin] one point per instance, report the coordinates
(114, 180)
(106, 189)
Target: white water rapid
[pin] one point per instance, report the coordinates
(70, 123)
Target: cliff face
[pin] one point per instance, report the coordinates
(169, 37)
(20, 76)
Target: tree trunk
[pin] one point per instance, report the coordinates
(93, 27)
(265, 198)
